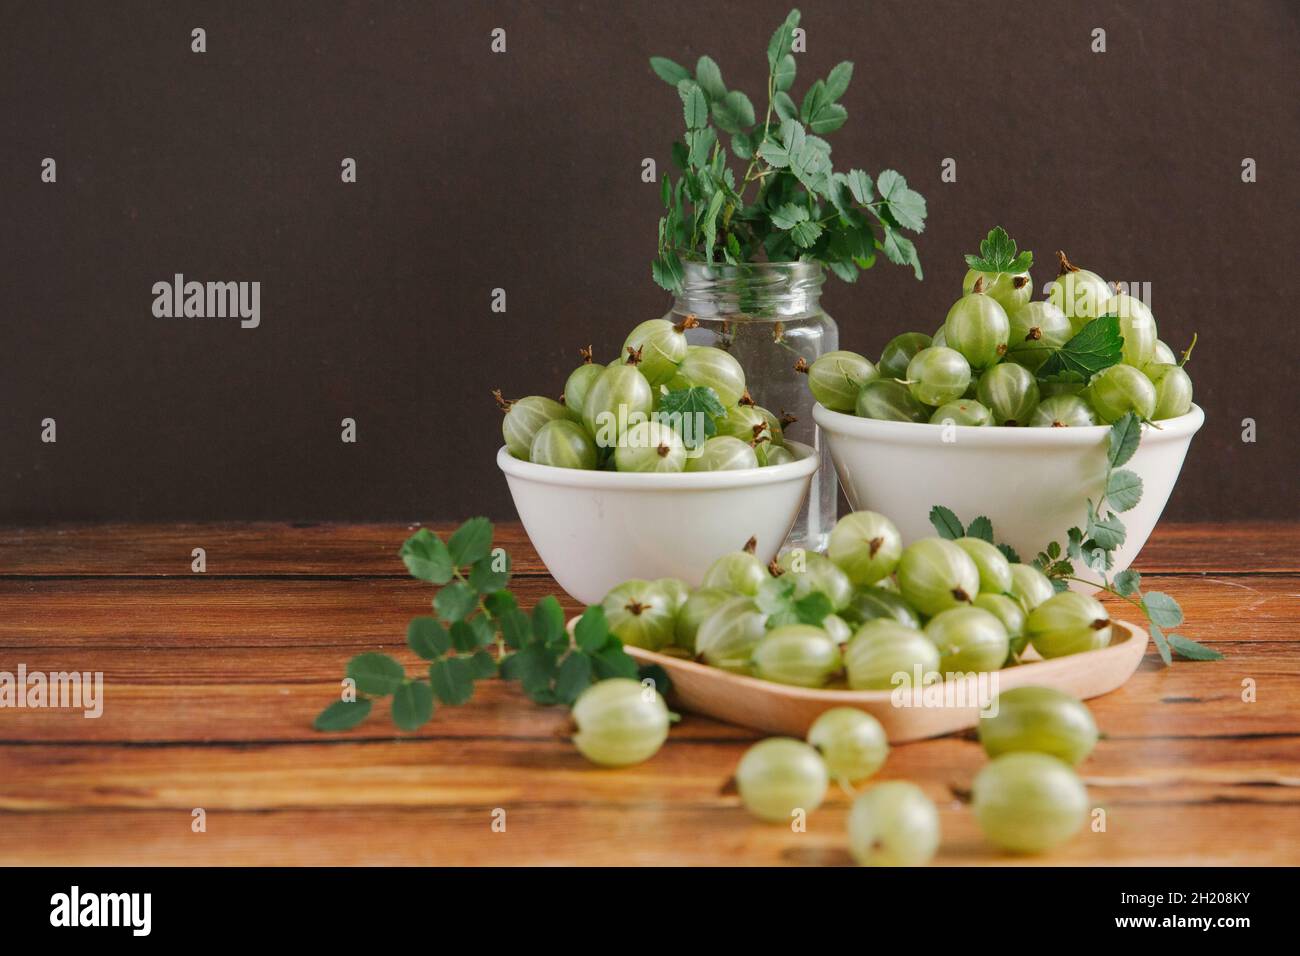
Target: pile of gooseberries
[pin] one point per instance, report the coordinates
(984, 365)
(938, 607)
(1027, 799)
(621, 416)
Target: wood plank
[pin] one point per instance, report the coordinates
(360, 550)
(432, 802)
(169, 695)
(214, 612)
(1181, 834)
(242, 549)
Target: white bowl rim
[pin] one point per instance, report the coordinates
(976, 436)
(652, 481)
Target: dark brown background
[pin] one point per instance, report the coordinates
(522, 171)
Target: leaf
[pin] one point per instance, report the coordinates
(376, 674)
(734, 112)
(472, 634)
(692, 413)
(1009, 553)
(788, 215)
(900, 250)
(998, 254)
(592, 630)
(534, 667)
(812, 608)
(574, 677)
(830, 118)
(482, 665)
(1074, 541)
(427, 558)
(709, 77)
(859, 184)
(783, 73)
(455, 601)
(695, 105)
(548, 622)
(1192, 650)
(946, 523)
(837, 81)
(413, 705)
(667, 271)
(1098, 345)
(452, 679)
(805, 234)
(785, 107)
(813, 101)
(1123, 489)
(775, 595)
(1127, 582)
(657, 676)
(1162, 609)
(669, 71)
(906, 205)
(779, 46)
(343, 714)
(700, 143)
(981, 528)
(427, 637)
(470, 542)
(613, 661)
(1162, 645)
(1107, 533)
(516, 630)
(1124, 437)
(743, 146)
(483, 576)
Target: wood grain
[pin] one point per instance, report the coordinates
(211, 683)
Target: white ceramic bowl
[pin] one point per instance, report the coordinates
(1032, 483)
(596, 529)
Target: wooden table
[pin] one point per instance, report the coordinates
(212, 681)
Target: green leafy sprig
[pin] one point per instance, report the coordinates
(789, 203)
(478, 631)
(1093, 544)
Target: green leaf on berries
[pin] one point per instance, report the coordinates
(981, 528)
(1098, 345)
(946, 523)
(998, 254)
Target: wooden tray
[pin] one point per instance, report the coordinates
(790, 711)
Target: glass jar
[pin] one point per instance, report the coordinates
(768, 316)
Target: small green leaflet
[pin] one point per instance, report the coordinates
(906, 205)
(1123, 489)
(470, 542)
(789, 215)
(900, 250)
(452, 679)
(1124, 437)
(1127, 582)
(1098, 345)
(805, 234)
(343, 714)
(734, 112)
(1192, 650)
(998, 254)
(695, 410)
(376, 674)
(668, 71)
(981, 528)
(1162, 609)
(412, 705)
(946, 523)
(779, 46)
(783, 74)
(709, 77)
(695, 105)
(427, 637)
(427, 558)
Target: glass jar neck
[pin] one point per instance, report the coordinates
(758, 289)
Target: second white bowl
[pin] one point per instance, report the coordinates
(1032, 483)
(596, 529)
